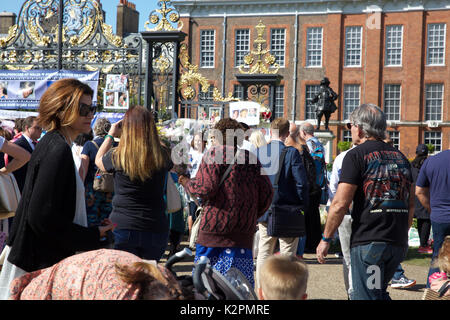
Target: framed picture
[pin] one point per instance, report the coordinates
(110, 100)
(202, 114)
(215, 114)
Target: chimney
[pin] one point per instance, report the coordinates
(127, 18)
(7, 19)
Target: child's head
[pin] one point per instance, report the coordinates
(443, 260)
(283, 278)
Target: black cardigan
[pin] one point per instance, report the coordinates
(43, 232)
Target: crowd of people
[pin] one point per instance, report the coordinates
(68, 237)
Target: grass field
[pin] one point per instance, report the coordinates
(418, 259)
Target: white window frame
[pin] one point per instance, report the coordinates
(396, 116)
(207, 49)
(278, 90)
(347, 135)
(278, 46)
(428, 100)
(241, 53)
(310, 91)
(347, 113)
(393, 44)
(350, 31)
(238, 91)
(314, 47)
(431, 47)
(433, 136)
(395, 138)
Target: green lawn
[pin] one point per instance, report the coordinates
(417, 259)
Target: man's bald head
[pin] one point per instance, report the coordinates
(307, 128)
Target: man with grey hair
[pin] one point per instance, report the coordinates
(377, 178)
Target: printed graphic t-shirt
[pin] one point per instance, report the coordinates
(381, 202)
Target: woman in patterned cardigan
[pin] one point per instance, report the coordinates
(230, 210)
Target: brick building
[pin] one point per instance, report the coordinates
(395, 55)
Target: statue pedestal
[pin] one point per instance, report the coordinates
(326, 138)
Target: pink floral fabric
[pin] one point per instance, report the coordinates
(87, 276)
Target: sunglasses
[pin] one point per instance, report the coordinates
(86, 109)
(350, 125)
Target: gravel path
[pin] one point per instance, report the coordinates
(326, 280)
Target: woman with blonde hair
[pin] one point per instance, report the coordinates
(50, 221)
(257, 139)
(140, 165)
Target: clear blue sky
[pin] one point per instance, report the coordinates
(109, 6)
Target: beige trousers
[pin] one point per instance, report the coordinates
(266, 245)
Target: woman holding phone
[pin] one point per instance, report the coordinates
(140, 164)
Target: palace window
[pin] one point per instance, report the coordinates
(242, 46)
(278, 45)
(279, 102)
(353, 45)
(433, 101)
(314, 47)
(394, 41)
(434, 138)
(207, 46)
(436, 44)
(238, 91)
(395, 137)
(347, 136)
(392, 101)
(310, 92)
(351, 99)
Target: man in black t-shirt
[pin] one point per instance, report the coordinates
(377, 178)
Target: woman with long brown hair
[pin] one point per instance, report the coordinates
(50, 222)
(140, 165)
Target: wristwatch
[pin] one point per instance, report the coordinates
(328, 240)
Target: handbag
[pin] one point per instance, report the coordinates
(9, 196)
(103, 181)
(285, 220)
(199, 212)
(173, 199)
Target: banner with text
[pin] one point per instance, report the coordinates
(22, 89)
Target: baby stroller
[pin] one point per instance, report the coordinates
(209, 284)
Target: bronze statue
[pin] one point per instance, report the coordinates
(324, 101)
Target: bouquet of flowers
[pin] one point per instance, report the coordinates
(264, 115)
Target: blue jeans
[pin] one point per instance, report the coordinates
(144, 244)
(301, 245)
(440, 230)
(399, 272)
(373, 266)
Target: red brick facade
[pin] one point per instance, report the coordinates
(412, 75)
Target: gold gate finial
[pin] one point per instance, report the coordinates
(260, 60)
(164, 23)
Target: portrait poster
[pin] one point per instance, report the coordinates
(214, 114)
(245, 111)
(115, 95)
(23, 89)
(202, 114)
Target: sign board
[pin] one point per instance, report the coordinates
(23, 89)
(245, 111)
(115, 95)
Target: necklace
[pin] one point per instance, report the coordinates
(68, 140)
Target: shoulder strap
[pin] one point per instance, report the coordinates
(280, 165)
(230, 167)
(95, 144)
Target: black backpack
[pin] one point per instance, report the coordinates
(310, 167)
